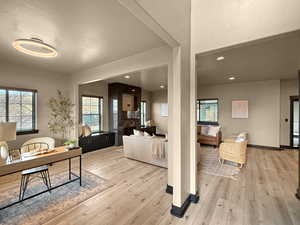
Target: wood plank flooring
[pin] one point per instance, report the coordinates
(264, 194)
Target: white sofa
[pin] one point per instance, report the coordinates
(140, 148)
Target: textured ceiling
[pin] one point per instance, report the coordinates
(150, 79)
(85, 33)
(269, 59)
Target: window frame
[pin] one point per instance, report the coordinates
(34, 92)
(198, 102)
(101, 99)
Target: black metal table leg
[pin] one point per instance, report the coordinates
(70, 169)
(21, 187)
(80, 171)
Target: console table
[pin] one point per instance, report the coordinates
(59, 154)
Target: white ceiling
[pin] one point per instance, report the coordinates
(85, 33)
(269, 59)
(150, 79)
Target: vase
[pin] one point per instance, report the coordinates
(4, 153)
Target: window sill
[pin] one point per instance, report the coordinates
(27, 132)
(208, 123)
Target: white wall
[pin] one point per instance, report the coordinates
(263, 124)
(47, 84)
(99, 88)
(288, 88)
(159, 97)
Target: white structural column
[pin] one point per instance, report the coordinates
(184, 121)
(193, 135)
(170, 128)
(181, 92)
(179, 164)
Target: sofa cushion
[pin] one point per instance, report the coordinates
(138, 133)
(213, 131)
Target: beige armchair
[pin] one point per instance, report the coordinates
(234, 150)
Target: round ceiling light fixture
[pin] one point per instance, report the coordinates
(127, 77)
(231, 78)
(34, 47)
(162, 86)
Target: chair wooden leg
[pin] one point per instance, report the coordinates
(222, 162)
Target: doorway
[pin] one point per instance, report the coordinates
(294, 124)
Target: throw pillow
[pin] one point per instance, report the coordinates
(204, 130)
(213, 130)
(146, 133)
(241, 137)
(138, 133)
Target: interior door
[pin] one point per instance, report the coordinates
(294, 132)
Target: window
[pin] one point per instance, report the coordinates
(115, 114)
(92, 107)
(207, 111)
(143, 113)
(19, 105)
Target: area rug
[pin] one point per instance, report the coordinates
(209, 164)
(42, 208)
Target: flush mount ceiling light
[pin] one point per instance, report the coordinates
(231, 78)
(220, 58)
(127, 77)
(162, 86)
(34, 47)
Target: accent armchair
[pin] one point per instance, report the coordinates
(234, 150)
(210, 135)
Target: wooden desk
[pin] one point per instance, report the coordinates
(59, 154)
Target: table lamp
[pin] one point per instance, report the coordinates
(7, 133)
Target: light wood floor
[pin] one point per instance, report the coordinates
(263, 195)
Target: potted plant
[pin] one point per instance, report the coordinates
(71, 144)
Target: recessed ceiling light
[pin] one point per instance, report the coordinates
(133, 90)
(231, 78)
(127, 77)
(220, 58)
(34, 47)
(162, 86)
